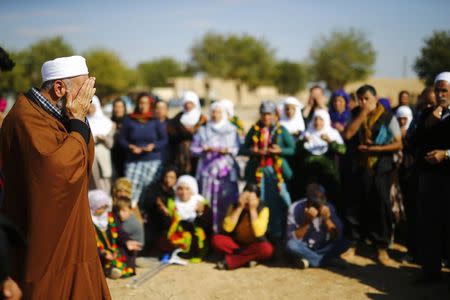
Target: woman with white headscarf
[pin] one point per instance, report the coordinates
(234, 119)
(291, 116)
(404, 116)
(181, 130)
(217, 144)
(319, 148)
(191, 217)
(103, 130)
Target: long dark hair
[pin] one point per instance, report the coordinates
(115, 118)
(139, 97)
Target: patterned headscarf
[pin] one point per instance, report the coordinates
(124, 184)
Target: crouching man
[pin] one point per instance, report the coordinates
(314, 231)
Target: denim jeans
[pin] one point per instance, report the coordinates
(299, 249)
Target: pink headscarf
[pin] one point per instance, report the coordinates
(3, 104)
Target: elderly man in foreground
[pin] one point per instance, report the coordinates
(47, 152)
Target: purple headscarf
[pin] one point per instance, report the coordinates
(335, 116)
(386, 103)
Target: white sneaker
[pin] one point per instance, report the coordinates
(303, 264)
(252, 264)
(116, 273)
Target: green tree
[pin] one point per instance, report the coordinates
(290, 77)
(241, 57)
(341, 58)
(112, 76)
(155, 73)
(27, 71)
(434, 57)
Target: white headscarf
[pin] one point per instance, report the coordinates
(222, 123)
(191, 118)
(315, 144)
(444, 76)
(405, 111)
(186, 210)
(100, 124)
(296, 123)
(98, 199)
(229, 107)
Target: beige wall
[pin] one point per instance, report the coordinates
(223, 88)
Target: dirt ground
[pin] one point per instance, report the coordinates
(362, 279)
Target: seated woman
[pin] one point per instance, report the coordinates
(318, 151)
(154, 208)
(115, 248)
(314, 231)
(191, 220)
(245, 225)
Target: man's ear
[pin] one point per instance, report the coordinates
(59, 88)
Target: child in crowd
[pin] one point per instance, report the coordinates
(114, 246)
(191, 220)
(245, 225)
(123, 188)
(130, 224)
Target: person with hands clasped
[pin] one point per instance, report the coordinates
(47, 151)
(143, 137)
(433, 162)
(379, 137)
(314, 231)
(245, 225)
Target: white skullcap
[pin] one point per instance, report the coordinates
(444, 76)
(64, 67)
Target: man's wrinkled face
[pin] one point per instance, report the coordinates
(441, 90)
(69, 86)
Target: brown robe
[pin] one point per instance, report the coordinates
(46, 186)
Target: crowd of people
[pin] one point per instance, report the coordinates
(320, 180)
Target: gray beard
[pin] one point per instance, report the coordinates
(61, 104)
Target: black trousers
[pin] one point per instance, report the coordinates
(434, 220)
(376, 207)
